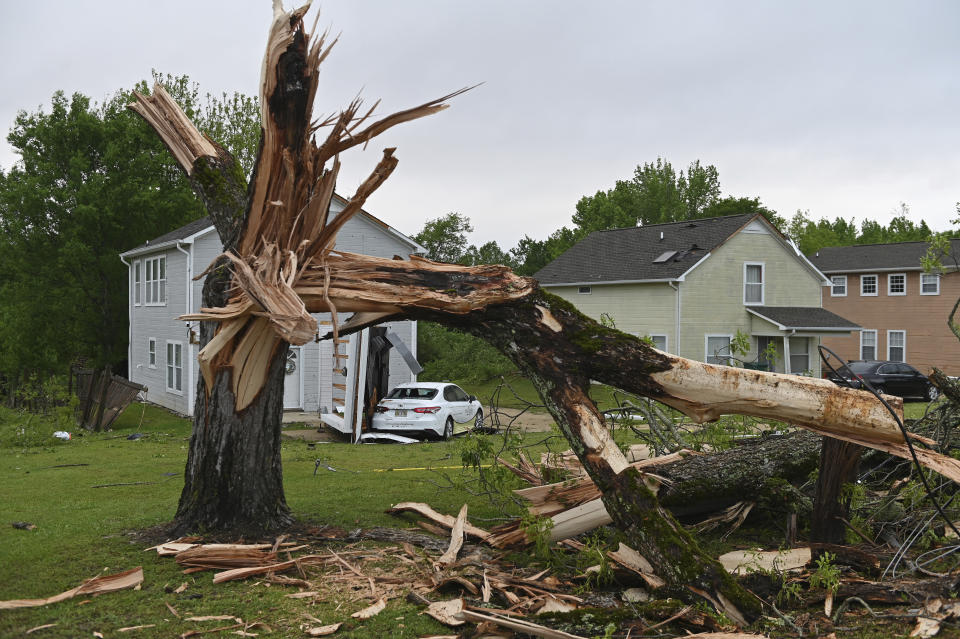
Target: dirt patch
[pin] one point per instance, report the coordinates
(310, 435)
(527, 422)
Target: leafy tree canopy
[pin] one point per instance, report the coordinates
(91, 181)
(811, 236)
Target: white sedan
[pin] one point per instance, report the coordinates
(428, 406)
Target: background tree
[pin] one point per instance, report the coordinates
(445, 238)
(90, 182)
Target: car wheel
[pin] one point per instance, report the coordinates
(448, 428)
(933, 393)
(478, 420)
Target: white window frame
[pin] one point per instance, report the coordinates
(876, 285)
(936, 278)
(890, 277)
(171, 367)
(152, 352)
(798, 353)
(874, 333)
(155, 295)
(904, 347)
(666, 341)
(763, 283)
(585, 290)
(137, 283)
(834, 280)
(706, 346)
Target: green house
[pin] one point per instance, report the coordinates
(693, 286)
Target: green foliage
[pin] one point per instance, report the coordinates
(811, 236)
(594, 553)
(538, 530)
(740, 344)
(445, 238)
(826, 575)
(91, 181)
(448, 354)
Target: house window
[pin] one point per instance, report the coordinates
(765, 354)
(752, 283)
(897, 284)
(718, 349)
(136, 283)
(659, 342)
(175, 367)
(155, 280)
(868, 344)
(585, 290)
(897, 346)
(799, 355)
(929, 283)
(868, 285)
(152, 352)
(838, 286)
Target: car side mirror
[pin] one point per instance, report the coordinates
(473, 398)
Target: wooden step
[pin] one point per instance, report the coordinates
(338, 400)
(342, 387)
(341, 356)
(341, 340)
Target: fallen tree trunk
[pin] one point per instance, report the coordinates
(688, 486)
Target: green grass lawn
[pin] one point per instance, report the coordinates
(84, 525)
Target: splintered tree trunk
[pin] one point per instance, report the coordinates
(234, 479)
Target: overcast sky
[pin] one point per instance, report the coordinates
(838, 108)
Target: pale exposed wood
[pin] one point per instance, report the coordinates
(520, 625)
(243, 573)
(444, 520)
(456, 540)
(175, 129)
(98, 585)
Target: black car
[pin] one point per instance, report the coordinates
(891, 378)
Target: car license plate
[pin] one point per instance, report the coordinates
(400, 412)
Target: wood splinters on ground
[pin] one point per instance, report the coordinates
(126, 580)
(323, 631)
(371, 611)
(132, 628)
(456, 541)
(449, 613)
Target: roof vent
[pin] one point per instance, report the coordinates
(663, 257)
(661, 236)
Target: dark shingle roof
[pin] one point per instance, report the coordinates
(181, 233)
(866, 257)
(629, 254)
(803, 317)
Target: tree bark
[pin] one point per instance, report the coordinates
(839, 465)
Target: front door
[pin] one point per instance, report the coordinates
(291, 381)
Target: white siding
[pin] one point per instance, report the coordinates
(360, 234)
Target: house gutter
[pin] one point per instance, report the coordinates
(189, 306)
(129, 319)
(676, 339)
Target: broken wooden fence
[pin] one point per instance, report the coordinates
(103, 396)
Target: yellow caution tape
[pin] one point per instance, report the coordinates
(397, 470)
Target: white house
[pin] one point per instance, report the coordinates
(162, 351)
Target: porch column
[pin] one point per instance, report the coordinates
(786, 354)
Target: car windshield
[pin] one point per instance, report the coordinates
(858, 367)
(412, 393)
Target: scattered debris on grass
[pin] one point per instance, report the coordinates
(96, 586)
(23, 525)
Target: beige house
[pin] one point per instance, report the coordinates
(692, 286)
